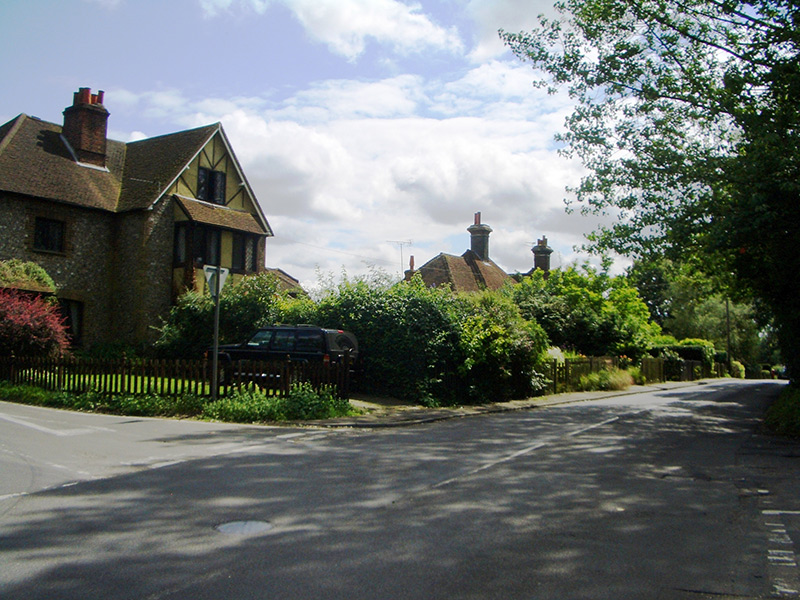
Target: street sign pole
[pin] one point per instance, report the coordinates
(215, 276)
(215, 360)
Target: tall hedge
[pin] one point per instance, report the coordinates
(432, 346)
(408, 336)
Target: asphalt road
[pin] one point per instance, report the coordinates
(673, 494)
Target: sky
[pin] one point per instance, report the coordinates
(370, 130)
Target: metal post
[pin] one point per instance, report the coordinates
(215, 359)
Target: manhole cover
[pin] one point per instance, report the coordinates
(244, 527)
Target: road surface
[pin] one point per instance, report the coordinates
(673, 494)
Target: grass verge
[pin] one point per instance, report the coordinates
(783, 417)
(245, 406)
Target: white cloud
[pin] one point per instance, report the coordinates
(511, 15)
(327, 100)
(346, 26)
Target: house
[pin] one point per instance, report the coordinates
(473, 271)
(124, 228)
(286, 283)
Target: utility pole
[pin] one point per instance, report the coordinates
(728, 327)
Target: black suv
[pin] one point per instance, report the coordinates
(307, 343)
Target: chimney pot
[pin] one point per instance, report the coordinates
(84, 95)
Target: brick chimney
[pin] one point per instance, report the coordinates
(410, 273)
(86, 125)
(479, 241)
(541, 256)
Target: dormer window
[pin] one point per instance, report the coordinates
(211, 186)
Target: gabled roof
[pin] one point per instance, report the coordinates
(35, 161)
(465, 273)
(153, 164)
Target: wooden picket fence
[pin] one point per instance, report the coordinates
(171, 378)
(565, 375)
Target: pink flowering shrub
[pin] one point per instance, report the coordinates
(29, 326)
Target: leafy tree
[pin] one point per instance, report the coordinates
(687, 117)
(432, 346)
(686, 304)
(30, 326)
(587, 311)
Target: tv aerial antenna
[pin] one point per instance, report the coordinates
(401, 244)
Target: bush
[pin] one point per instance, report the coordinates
(244, 406)
(304, 403)
(637, 375)
(737, 369)
(301, 404)
(408, 336)
(16, 273)
(689, 349)
(587, 311)
(783, 417)
(30, 326)
(500, 350)
(611, 379)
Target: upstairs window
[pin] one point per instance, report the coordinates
(211, 186)
(48, 235)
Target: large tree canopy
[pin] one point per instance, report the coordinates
(686, 115)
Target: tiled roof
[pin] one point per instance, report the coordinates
(220, 216)
(286, 282)
(34, 161)
(465, 273)
(152, 164)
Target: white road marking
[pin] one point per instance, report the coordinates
(56, 432)
(590, 427)
(489, 465)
